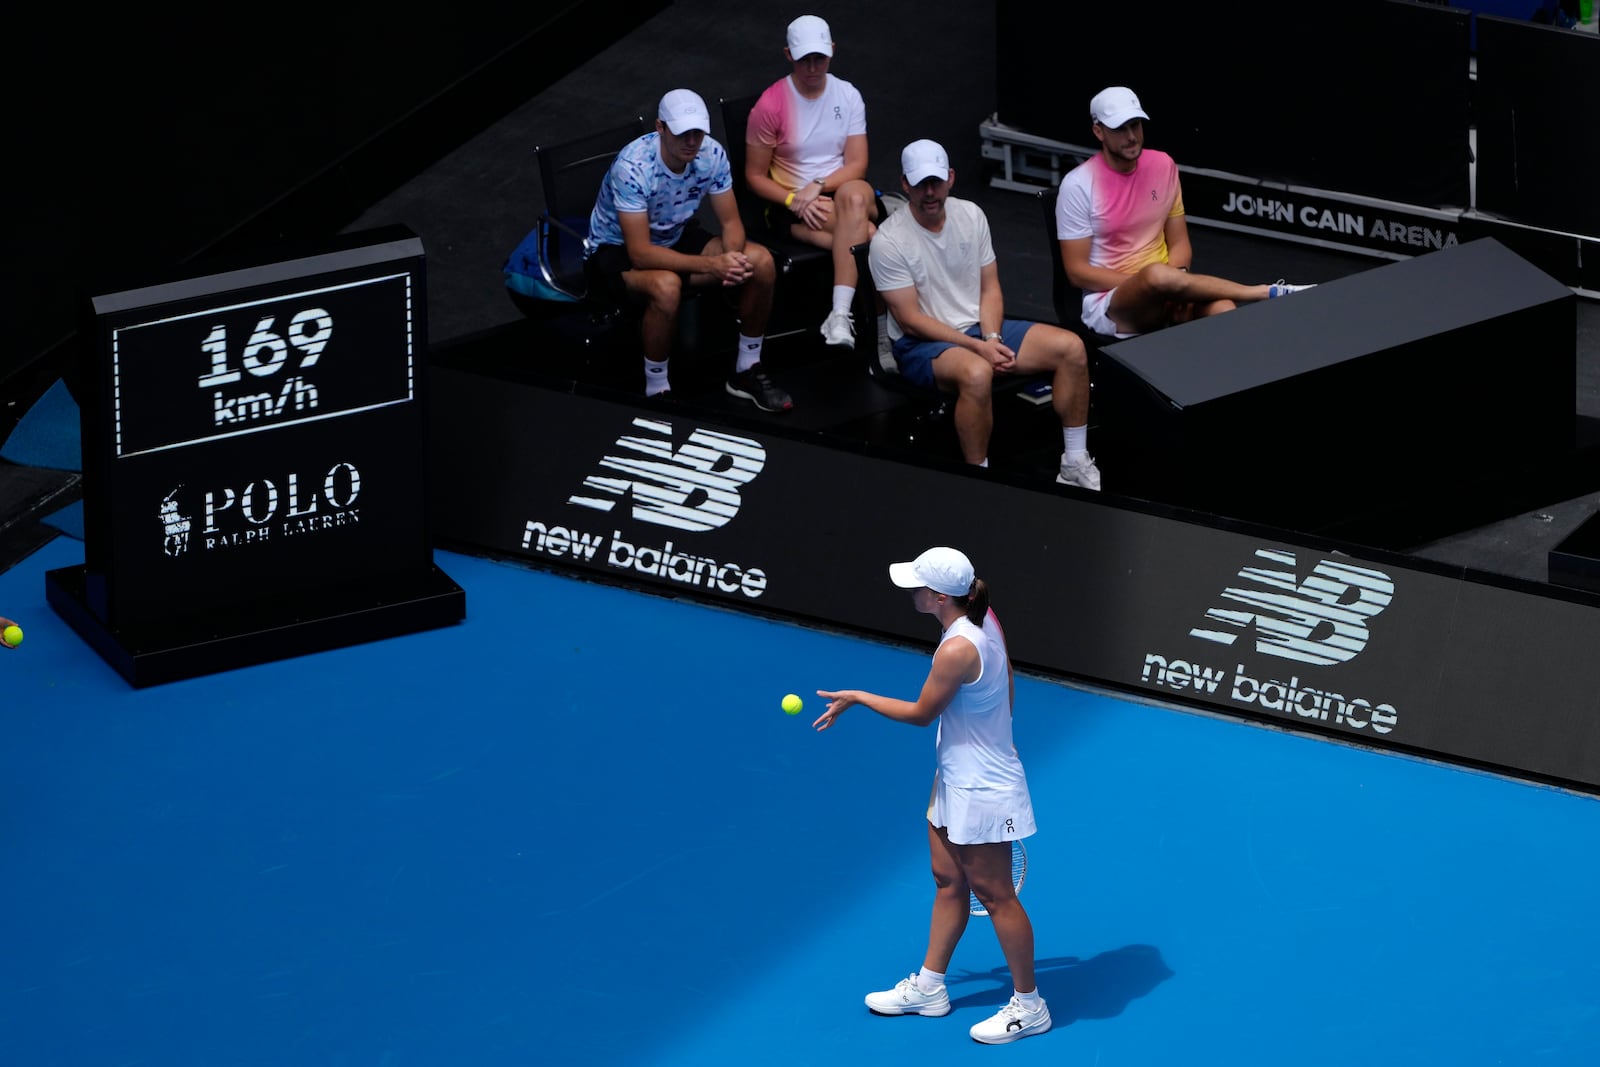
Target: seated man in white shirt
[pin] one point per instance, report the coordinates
(934, 264)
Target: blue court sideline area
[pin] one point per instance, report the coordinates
(577, 829)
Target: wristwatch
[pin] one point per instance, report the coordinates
(992, 335)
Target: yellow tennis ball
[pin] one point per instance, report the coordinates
(13, 637)
(792, 705)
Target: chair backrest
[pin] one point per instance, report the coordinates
(735, 119)
(546, 267)
(571, 172)
(865, 312)
(1066, 298)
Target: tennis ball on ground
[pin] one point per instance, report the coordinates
(791, 703)
(13, 637)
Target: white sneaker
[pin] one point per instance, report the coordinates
(907, 998)
(1012, 1023)
(839, 329)
(1082, 473)
(1283, 288)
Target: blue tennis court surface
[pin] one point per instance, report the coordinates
(578, 829)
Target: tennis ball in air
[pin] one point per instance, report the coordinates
(13, 637)
(791, 704)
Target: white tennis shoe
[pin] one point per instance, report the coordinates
(1012, 1023)
(839, 329)
(907, 998)
(1083, 473)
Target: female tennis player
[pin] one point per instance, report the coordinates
(980, 802)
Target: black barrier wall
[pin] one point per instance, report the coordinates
(1248, 623)
(1409, 354)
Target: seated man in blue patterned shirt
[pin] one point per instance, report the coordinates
(645, 243)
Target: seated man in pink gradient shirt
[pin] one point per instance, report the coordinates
(1124, 240)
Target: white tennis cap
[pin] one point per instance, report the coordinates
(944, 570)
(809, 35)
(1114, 106)
(682, 110)
(922, 160)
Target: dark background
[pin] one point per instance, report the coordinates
(1344, 98)
(142, 140)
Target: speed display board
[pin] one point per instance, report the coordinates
(254, 445)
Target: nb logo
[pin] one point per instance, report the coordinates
(694, 487)
(1321, 622)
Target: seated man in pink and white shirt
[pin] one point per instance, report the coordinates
(1124, 239)
(806, 155)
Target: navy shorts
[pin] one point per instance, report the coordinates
(915, 356)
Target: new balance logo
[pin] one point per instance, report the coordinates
(1322, 621)
(693, 487)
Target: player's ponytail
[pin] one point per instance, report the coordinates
(977, 602)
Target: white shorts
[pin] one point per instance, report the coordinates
(982, 816)
(1094, 314)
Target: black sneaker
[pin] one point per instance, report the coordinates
(754, 385)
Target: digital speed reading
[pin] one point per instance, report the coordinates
(256, 365)
(266, 352)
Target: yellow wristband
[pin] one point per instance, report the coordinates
(789, 202)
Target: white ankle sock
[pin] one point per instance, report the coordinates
(929, 981)
(749, 352)
(1077, 442)
(1031, 1001)
(842, 296)
(655, 377)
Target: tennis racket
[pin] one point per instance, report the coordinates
(1019, 871)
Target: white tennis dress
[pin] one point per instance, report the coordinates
(980, 793)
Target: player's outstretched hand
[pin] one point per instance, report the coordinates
(837, 703)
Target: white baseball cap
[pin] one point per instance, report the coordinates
(809, 35)
(944, 570)
(683, 110)
(1114, 106)
(922, 160)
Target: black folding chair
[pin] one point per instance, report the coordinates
(930, 408)
(544, 273)
(1066, 298)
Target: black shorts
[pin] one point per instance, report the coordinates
(606, 265)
